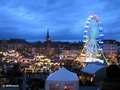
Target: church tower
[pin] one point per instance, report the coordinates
(48, 41)
(47, 37)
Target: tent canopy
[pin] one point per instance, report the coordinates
(92, 68)
(63, 75)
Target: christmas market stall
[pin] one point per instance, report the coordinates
(62, 79)
(93, 73)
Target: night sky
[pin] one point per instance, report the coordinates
(65, 19)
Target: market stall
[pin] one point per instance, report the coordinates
(62, 80)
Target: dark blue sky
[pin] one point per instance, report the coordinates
(29, 19)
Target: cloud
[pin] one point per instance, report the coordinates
(64, 18)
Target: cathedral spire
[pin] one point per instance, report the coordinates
(47, 34)
(47, 37)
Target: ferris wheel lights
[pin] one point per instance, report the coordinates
(93, 37)
(87, 22)
(100, 49)
(88, 18)
(99, 22)
(100, 28)
(85, 36)
(101, 42)
(86, 26)
(91, 16)
(101, 35)
(97, 18)
(94, 15)
(85, 31)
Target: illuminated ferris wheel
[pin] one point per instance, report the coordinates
(93, 37)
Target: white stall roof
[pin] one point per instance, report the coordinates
(92, 68)
(63, 75)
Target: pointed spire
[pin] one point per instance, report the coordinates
(47, 37)
(47, 34)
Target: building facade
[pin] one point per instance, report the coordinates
(110, 46)
(51, 48)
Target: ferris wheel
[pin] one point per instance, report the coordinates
(93, 37)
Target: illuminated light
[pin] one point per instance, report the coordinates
(88, 18)
(91, 16)
(100, 49)
(86, 26)
(97, 19)
(85, 46)
(57, 85)
(83, 54)
(99, 22)
(100, 28)
(101, 35)
(91, 79)
(8, 61)
(85, 31)
(100, 42)
(98, 54)
(65, 87)
(94, 15)
(85, 36)
(84, 41)
(87, 22)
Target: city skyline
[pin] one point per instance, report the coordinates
(65, 19)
